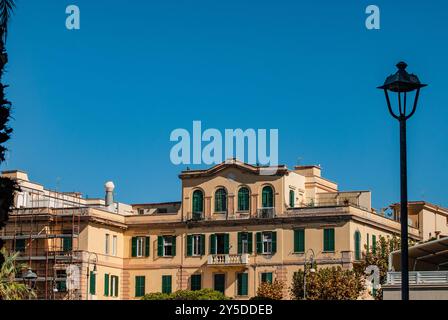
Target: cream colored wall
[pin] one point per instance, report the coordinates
(296, 182)
(431, 222)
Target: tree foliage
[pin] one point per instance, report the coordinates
(9, 288)
(378, 256)
(328, 284)
(203, 294)
(7, 187)
(270, 291)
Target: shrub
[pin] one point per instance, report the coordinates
(203, 294)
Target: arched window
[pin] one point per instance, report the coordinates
(357, 245)
(292, 198)
(221, 200)
(267, 197)
(243, 199)
(198, 203)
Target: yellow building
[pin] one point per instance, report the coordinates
(233, 228)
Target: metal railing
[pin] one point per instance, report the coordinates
(228, 259)
(266, 213)
(419, 277)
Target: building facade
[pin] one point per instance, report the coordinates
(234, 228)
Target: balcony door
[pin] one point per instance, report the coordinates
(219, 243)
(219, 282)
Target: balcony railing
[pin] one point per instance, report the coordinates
(197, 216)
(266, 213)
(228, 259)
(419, 277)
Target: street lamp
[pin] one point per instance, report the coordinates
(312, 270)
(31, 277)
(88, 271)
(403, 83)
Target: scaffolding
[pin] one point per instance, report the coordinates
(45, 229)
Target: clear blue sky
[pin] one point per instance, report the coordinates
(100, 103)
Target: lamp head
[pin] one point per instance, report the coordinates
(402, 81)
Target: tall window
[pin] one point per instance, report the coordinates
(357, 245)
(139, 286)
(114, 281)
(373, 243)
(20, 245)
(299, 240)
(140, 246)
(166, 246)
(106, 247)
(196, 282)
(267, 242)
(328, 240)
(243, 199)
(244, 242)
(221, 200)
(243, 284)
(292, 198)
(92, 284)
(114, 245)
(267, 197)
(198, 203)
(166, 284)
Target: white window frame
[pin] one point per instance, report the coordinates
(114, 245)
(107, 247)
(140, 247)
(245, 243)
(196, 245)
(167, 243)
(266, 239)
(113, 285)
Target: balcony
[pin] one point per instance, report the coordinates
(266, 213)
(419, 278)
(228, 259)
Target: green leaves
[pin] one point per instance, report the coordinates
(9, 288)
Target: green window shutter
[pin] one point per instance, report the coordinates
(146, 246)
(329, 240)
(106, 284)
(368, 243)
(259, 243)
(117, 281)
(195, 282)
(67, 244)
(189, 245)
(243, 284)
(240, 243)
(160, 246)
(203, 244)
(373, 244)
(274, 242)
(166, 284)
(249, 242)
(92, 283)
(266, 277)
(291, 198)
(243, 199)
(139, 286)
(198, 202)
(20, 245)
(357, 245)
(174, 246)
(267, 197)
(134, 246)
(226, 243)
(213, 244)
(299, 240)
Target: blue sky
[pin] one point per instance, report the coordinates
(100, 103)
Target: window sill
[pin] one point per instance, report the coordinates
(328, 251)
(220, 212)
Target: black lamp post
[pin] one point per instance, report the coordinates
(403, 83)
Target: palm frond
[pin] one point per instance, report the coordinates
(6, 9)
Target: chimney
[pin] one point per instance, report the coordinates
(109, 186)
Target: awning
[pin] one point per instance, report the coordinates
(429, 256)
